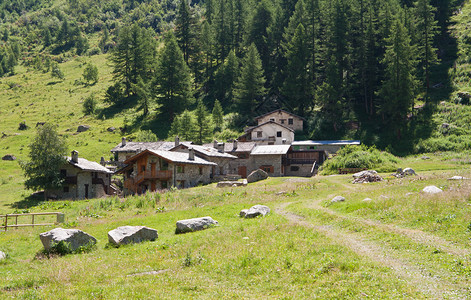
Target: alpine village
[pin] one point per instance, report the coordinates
(235, 149)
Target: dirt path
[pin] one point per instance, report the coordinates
(423, 280)
(415, 235)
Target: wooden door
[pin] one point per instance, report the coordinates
(242, 171)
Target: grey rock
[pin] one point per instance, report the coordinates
(111, 129)
(243, 213)
(195, 224)
(222, 184)
(457, 178)
(83, 128)
(76, 238)
(257, 175)
(408, 171)
(367, 199)
(337, 199)
(9, 157)
(3, 255)
(431, 189)
(255, 211)
(131, 235)
(364, 173)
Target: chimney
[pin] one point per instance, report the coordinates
(220, 147)
(75, 157)
(215, 144)
(191, 154)
(177, 141)
(123, 142)
(102, 161)
(283, 141)
(234, 144)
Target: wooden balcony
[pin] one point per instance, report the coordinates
(161, 175)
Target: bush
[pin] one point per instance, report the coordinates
(360, 157)
(89, 105)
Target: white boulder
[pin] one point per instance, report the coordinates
(195, 224)
(337, 199)
(131, 235)
(431, 189)
(254, 211)
(3, 255)
(74, 237)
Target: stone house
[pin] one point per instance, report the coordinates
(242, 151)
(126, 149)
(269, 133)
(282, 117)
(330, 147)
(269, 158)
(214, 153)
(152, 170)
(84, 179)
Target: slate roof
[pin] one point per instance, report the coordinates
(265, 123)
(87, 165)
(270, 150)
(136, 146)
(175, 157)
(241, 147)
(277, 110)
(326, 143)
(209, 151)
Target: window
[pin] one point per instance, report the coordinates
(201, 170)
(63, 173)
(268, 169)
(290, 121)
(259, 134)
(278, 134)
(282, 121)
(163, 165)
(66, 189)
(180, 169)
(272, 119)
(294, 168)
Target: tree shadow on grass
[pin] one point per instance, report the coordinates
(117, 107)
(32, 200)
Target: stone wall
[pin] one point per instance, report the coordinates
(258, 161)
(303, 170)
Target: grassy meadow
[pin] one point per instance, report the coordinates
(401, 243)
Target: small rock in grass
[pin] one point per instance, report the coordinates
(337, 199)
(111, 129)
(431, 189)
(3, 255)
(457, 178)
(9, 157)
(195, 224)
(131, 234)
(74, 237)
(254, 211)
(367, 199)
(83, 128)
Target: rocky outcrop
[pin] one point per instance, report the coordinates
(257, 175)
(195, 224)
(73, 237)
(366, 176)
(255, 211)
(131, 235)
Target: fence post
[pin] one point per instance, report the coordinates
(6, 222)
(60, 218)
(32, 220)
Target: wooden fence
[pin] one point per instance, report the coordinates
(59, 219)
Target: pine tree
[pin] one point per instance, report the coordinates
(203, 123)
(184, 29)
(217, 116)
(142, 91)
(172, 80)
(250, 85)
(297, 86)
(225, 79)
(398, 88)
(426, 30)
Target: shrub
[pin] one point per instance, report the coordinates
(89, 105)
(360, 157)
